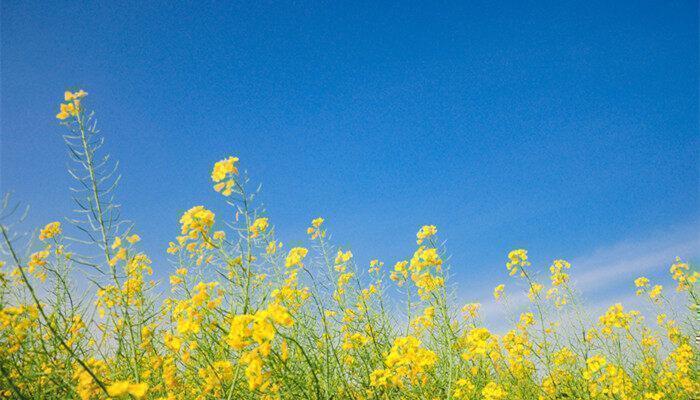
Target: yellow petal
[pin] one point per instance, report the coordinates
(138, 390)
(118, 388)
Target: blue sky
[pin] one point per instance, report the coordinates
(567, 128)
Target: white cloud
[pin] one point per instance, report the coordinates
(630, 259)
(600, 275)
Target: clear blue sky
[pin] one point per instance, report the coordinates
(568, 128)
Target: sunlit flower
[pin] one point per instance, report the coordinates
(259, 226)
(223, 175)
(315, 229)
(471, 310)
(49, 231)
(517, 260)
(124, 388)
(295, 257)
(425, 232)
(498, 291)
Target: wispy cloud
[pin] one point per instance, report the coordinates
(601, 275)
(608, 266)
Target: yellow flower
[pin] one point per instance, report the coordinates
(374, 266)
(498, 291)
(480, 342)
(315, 229)
(341, 259)
(595, 364)
(172, 248)
(196, 222)
(68, 96)
(616, 317)
(425, 321)
(425, 258)
(493, 391)
(223, 175)
(37, 259)
(224, 168)
(464, 387)
(680, 272)
(215, 376)
(121, 255)
(471, 310)
(67, 110)
(343, 280)
(406, 360)
(564, 357)
(526, 319)
(123, 388)
(50, 230)
(133, 238)
(558, 277)
(295, 257)
(172, 342)
(284, 351)
(655, 292)
(72, 108)
(425, 232)
(400, 273)
(517, 260)
(259, 225)
(86, 386)
(317, 222)
(535, 289)
(271, 248)
(641, 282)
(175, 280)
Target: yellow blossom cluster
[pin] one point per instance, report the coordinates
(315, 229)
(259, 226)
(223, 175)
(72, 106)
(93, 319)
(517, 261)
(295, 257)
(196, 222)
(128, 389)
(49, 231)
(680, 272)
(406, 363)
(616, 317)
(425, 232)
(258, 330)
(643, 287)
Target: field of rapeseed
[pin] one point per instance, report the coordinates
(244, 317)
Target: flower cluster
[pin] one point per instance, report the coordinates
(51, 230)
(71, 108)
(244, 319)
(224, 174)
(406, 363)
(258, 330)
(517, 261)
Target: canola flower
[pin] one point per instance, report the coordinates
(128, 389)
(240, 316)
(223, 175)
(72, 106)
(51, 230)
